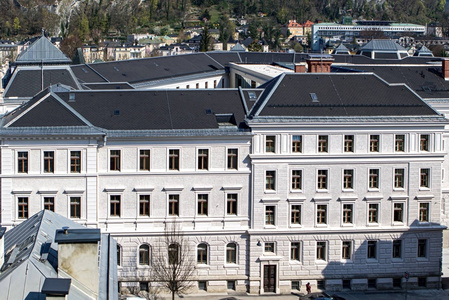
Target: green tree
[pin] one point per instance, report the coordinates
(255, 47)
(227, 29)
(16, 25)
(84, 31)
(7, 28)
(206, 40)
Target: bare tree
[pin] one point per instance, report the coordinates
(173, 265)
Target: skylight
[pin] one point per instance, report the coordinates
(314, 97)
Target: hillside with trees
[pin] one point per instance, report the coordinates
(92, 20)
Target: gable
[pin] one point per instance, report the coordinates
(48, 113)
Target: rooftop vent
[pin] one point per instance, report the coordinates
(208, 111)
(115, 68)
(116, 112)
(314, 98)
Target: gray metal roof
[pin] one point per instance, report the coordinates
(383, 45)
(31, 256)
(85, 235)
(42, 51)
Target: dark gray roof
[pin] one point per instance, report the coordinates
(131, 109)
(26, 83)
(338, 95)
(341, 49)
(108, 86)
(148, 69)
(42, 51)
(361, 59)
(426, 81)
(383, 45)
(84, 235)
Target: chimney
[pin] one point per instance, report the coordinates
(56, 288)
(2, 246)
(445, 68)
(300, 68)
(319, 63)
(78, 256)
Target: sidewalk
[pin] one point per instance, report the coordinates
(349, 295)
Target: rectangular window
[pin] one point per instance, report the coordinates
(202, 286)
(296, 179)
(203, 159)
(295, 248)
(347, 213)
(296, 215)
(231, 204)
(144, 159)
(321, 250)
(398, 212)
(270, 180)
(372, 249)
(397, 248)
(422, 248)
(49, 162)
(424, 142)
(348, 179)
(144, 205)
(22, 207)
(374, 143)
(49, 203)
(202, 204)
(270, 144)
(75, 161)
(321, 214)
(322, 143)
(173, 159)
(424, 212)
(346, 250)
(399, 178)
(373, 179)
(173, 205)
(215, 84)
(322, 180)
(75, 207)
(115, 205)
(297, 144)
(399, 143)
(232, 159)
(349, 143)
(424, 178)
(269, 247)
(373, 213)
(270, 215)
(114, 160)
(22, 162)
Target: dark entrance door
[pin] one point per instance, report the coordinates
(269, 278)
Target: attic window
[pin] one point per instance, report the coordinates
(314, 97)
(71, 97)
(252, 96)
(208, 111)
(116, 113)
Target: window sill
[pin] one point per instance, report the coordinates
(346, 261)
(347, 225)
(143, 267)
(296, 226)
(202, 266)
(398, 224)
(397, 260)
(422, 259)
(373, 190)
(270, 191)
(295, 262)
(231, 266)
(322, 190)
(270, 227)
(296, 191)
(321, 225)
(423, 188)
(320, 261)
(373, 224)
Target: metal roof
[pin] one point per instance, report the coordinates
(382, 45)
(84, 235)
(56, 286)
(42, 51)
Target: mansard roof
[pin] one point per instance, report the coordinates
(28, 81)
(338, 95)
(42, 51)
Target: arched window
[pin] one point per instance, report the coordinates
(144, 255)
(119, 255)
(202, 254)
(231, 253)
(173, 254)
